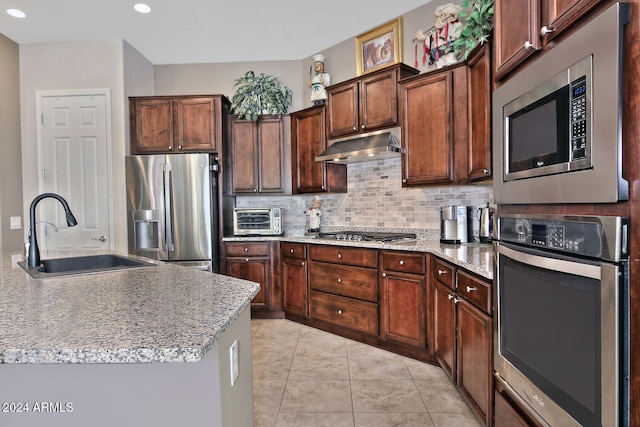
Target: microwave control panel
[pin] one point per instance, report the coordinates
(579, 116)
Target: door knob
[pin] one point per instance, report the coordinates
(101, 238)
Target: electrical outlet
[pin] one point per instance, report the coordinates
(234, 362)
(16, 223)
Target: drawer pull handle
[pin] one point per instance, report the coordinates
(450, 296)
(527, 45)
(292, 250)
(246, 259)
(340, 311)
(302, 263)
(456, 300)
(339, 255)
(401, 262)
(339, 280)
(441, 272)
(246, 249)
(470, 288)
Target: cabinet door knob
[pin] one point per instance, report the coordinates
(384, 274)
(340, 311)
(255, 190)
(179, 147)
(456, 300)
(339, 280)
(527, 45)
(355, 128)
(246, 259)
(401, 262)
(546, 30)
(441, 272)
(302, 263)
(404, 180)
(485, 171)
(246, 249)
(339, 256)
(363, 126)
(450, 296)
(292, 250)
(470, 288)
(170, 147)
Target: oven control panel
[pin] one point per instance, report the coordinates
(592, 236)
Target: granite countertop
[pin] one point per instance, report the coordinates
(474, 257)
(163, 313)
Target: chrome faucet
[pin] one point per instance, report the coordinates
(33, 259)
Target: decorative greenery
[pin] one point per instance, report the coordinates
(478, 23)
(259, 94)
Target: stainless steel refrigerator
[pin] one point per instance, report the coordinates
(172, 208)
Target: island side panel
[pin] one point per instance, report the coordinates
(133, 394)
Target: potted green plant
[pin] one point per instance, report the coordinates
(259, 94)
(478, 24)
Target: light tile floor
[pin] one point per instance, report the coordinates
(306, 377)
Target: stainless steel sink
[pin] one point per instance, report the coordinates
(56, 267)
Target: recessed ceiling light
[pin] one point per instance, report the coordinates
(16, 13)
(142, 8)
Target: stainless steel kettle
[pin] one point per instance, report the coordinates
(485, 216)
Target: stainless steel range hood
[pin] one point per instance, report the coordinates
(381, 144)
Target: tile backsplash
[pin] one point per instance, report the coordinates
(375, 199)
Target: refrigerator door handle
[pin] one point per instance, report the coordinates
(168, 205)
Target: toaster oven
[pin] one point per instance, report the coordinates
(257, 221)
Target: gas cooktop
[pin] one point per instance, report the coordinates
(367, 236)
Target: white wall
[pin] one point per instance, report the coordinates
(73, 66)
(199, 79)
(10, 161)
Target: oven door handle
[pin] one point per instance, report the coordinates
(548, 261)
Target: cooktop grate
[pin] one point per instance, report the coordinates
(367, 236)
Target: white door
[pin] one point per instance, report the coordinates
(73, 151)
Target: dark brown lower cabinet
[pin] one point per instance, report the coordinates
(463, 334)
(254, 261)
(403, 298)
(444, 328)
(474, 358)
(293, 268)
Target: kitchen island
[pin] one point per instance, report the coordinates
(144, 346)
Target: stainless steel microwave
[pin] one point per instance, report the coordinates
(557, 123)
(257, 221)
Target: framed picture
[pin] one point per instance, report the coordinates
(379, 47)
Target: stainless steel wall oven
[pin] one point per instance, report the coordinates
(561, 323)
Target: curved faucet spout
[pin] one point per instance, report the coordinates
(33, 259)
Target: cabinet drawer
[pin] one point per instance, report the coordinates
(475, 291)
(345, 255)
(359, 315)
(443, 273)
(247, 248)
(404, 262)
(355, 282)
(293, 250)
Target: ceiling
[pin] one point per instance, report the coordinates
(203, 31)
